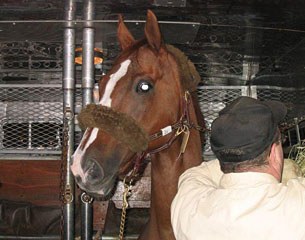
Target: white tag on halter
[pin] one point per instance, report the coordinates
(166, 130)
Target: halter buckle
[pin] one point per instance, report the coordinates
(185, 139)
(182, 129)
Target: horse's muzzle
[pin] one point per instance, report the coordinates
(90, 176)
(94, 173)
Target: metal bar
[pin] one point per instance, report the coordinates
(30, 237)
(87, 90)
(69, 89)
(289, 138)
(16, 157)
(5, 86)
(126, 237)
(219, 87)
(30, 135)
(53, 237)
(33, 71)
(112, 21)
(297, 130)
(87, 217)
(34, 86)
(88, 52)
(29, 151)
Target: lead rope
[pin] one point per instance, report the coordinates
(126, 194)
(63, 166)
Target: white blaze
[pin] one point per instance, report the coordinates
(106, 101)
(92, 138)
(78, 154)
(114, 78)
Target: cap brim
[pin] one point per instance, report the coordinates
(279, 110)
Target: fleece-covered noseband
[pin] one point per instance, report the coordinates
(118, 125)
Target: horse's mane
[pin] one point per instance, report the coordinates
(189, 80)
(189, 75)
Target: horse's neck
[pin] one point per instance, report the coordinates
(166, 168)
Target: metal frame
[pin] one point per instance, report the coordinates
(87, 89)
(68, 109)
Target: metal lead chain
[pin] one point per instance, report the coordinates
(65, 190)
(126, 194)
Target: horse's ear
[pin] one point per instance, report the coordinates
(125, 37)
(152, 31)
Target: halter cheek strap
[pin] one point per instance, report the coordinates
(183, 126)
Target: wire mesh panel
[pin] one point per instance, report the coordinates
(30, 118)
(30, 62)
(293, 98)
(214, 98)
(211, 100)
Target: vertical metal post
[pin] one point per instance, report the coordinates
(88, 52)
(252, 42)
(87, 213)
(289, 138)
(69, 88)
(87, 90)
(297, 130)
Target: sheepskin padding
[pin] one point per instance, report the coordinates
(189, 75)
(118, 125)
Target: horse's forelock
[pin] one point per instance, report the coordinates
(129, 51)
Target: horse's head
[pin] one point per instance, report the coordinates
(140, 95)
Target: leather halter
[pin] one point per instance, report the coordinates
(183, 123)
(177, 128)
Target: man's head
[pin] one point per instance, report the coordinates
(245, 129)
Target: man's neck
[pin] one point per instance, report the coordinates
(269, 170)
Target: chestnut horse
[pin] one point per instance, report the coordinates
(145, 111)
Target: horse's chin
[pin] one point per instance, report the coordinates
(102, 191)
(99, 197)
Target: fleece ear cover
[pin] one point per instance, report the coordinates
(119, 125)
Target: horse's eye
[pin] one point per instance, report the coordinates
(144, 87)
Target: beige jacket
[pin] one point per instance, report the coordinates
(211, 205)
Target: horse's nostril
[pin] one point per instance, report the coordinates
(78, 179)
(94, 173)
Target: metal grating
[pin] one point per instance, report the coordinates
(214, 98)
(31, 118)
(27, 134)
(291, 97)
(211, 100)
(30, 62)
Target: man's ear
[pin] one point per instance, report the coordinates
(276, 160)
(273, 156)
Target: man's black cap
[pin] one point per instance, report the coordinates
(245, 128)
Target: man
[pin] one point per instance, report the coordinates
(240, 196)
